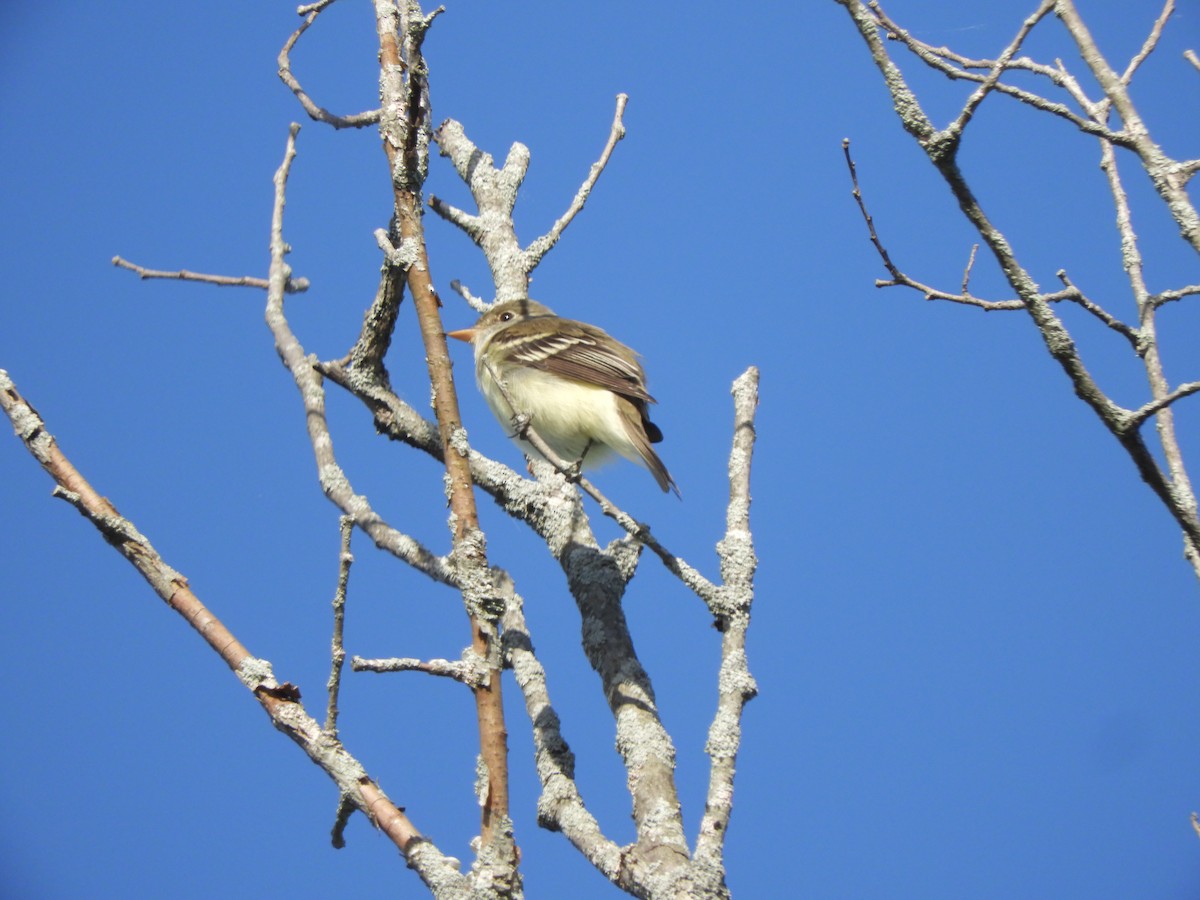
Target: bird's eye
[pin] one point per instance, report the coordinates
(504, 317)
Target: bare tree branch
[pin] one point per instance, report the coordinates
(337, 648)
(1164, 172)
(471, 672)
(540, 246)
(281, 701)
(1159, 404)
(293, 286)
(317, 113)
(1169, 178)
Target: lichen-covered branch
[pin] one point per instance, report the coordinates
(658, 863)
(405, 129)
(281, 701)
(317, 113)
(1168, 176)
(495, 194)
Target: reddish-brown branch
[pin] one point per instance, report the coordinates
(405, 120)
(281, 701)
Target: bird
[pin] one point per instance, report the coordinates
(583, 390)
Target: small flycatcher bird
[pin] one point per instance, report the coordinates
(583, 390)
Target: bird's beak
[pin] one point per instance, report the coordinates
(463, 334)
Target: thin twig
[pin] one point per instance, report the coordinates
(1075, 295)
(337, 648)
(899, 278)
(955, 129)
(476, 303)
(293, 286)
(966, 279)
(941, 59)
(470, 672)
(735, 685)
(1142, 413)
(315, 112)
(540, 246)
(1150, 43)
(1174, 295)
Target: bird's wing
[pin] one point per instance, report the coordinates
(580, 352)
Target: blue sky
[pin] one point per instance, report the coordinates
(974, 633)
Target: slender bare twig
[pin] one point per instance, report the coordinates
(280, 700)
(899, 278)
(1159, 404)
(954, 130)
(540, 246)
(736, 686)
(1190, 56)
(476, 303)
(317, 113)
(1148, 45)
(944, 61)
(1133, 335)
(1163, 171)
(470, 672)
(337, 648)
(293, 286)
(966, 279)
(1171, 296)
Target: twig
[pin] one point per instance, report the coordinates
(476, 303)
(966, 279)
(334, 481)
(337, 648)
(899, 278)
(523, 427)
(313, 7)
(735, 684)
(941, 58)
(953, 132)
(1150, 43)
(470, 672)
(315, 112)
(1142, 413)
(281, 701)
(293, 286)
(1174, 295)
(540, 246)
(1075, 295)
(1190, 56)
